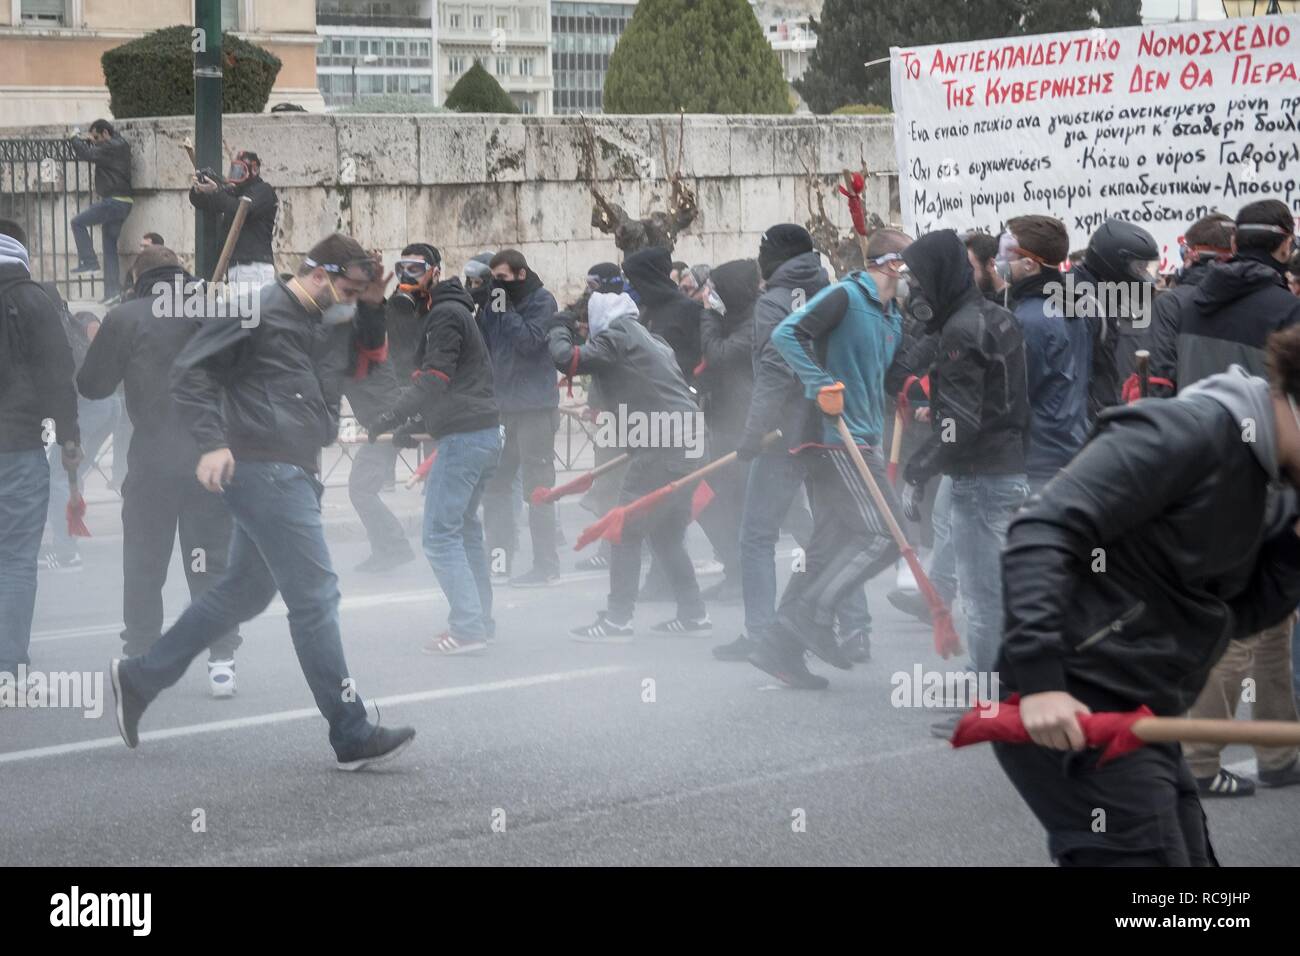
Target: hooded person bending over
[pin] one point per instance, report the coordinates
(665, 309)
(1206, 553)
(637, 373)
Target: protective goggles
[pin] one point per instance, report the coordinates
(369, 268)
(411, 270)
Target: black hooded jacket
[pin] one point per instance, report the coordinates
(1228, 319)
(979, 404)
(451, 387)
(665, 310)
(36, 364)
(135, 347)
(1166, 321)
(254, 242)
(726, 374)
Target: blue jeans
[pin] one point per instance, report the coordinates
(110, 214)
(96, 420)
(24, 493)
(982, 506)
(774, 481)
(278, 544)
(453, 534)
(943, 560)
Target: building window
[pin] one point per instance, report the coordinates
(526, 67)
(501, 22)
(456, 65)
(45, 12)
(453, 21)
(230, 14)
(503, 66)
(478, 21)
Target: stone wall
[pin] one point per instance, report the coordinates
(470, 183)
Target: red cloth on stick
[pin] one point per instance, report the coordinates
(855, 203)
(1132, 389)
(423, 471)
(700, 499)
(582, 483)
(610, 527)
(1111, 730)
(76, 515)
(946, 641)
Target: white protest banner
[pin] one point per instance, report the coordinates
(1157, 125)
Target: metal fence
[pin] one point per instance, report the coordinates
(42, 187)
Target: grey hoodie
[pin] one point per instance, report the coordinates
(1250, 401)
(13, 252)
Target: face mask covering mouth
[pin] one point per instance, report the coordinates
(339, 312)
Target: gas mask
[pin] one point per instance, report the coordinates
(241, 168)
(1007, 250)
(919, 307)
(412, 295)
(339, 312)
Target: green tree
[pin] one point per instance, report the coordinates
(479, 92)
(702, 56)
(851, 33)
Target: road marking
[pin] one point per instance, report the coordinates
(284, 716)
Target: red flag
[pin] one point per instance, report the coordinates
(610, 527)
(423, 471)
(1000, 721)
(76, 515)
(582, 483)
(700, 499)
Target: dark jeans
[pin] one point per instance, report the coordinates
(372, 467)
(278, 545)
(529, 452)
(96, 420)
(850, 543)
(24, 494)
(154, 506)
(771, 500)
(665, 529)
(1153, 811)
(110, 214)
(453, 536)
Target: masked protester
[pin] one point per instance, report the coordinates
(1206, 552)
(979, 420)
(252, 261)
(1209, 240)
(260, 401)
(665, 310)
(1115, 287)
(478, 282)
(514, 327)
(1058, 348)
(135, 348)
(840, 345)
(637, 373)
(451, 398)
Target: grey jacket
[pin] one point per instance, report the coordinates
(778, 394)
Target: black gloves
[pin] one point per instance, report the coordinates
(750, 447)
(386, 422)
(402, 435)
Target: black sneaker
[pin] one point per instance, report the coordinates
(383, 744)
(1225, 783)
(726, 591)
(127, 705)
(536, 578)
(379, 563)
(857, 647)
(911, 603)
(737, 650)
(788, 668)
(821, 641)
(90, 265)
(597, 562)
(1286, 777)
(604, 631)
(678, 625)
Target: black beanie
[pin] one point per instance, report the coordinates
(605, 277)
(781, 243)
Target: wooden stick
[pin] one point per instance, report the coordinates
(1143, 359)
(896, 445)
(1257, 733)
(236, 225)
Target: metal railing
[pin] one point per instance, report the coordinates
(43, 186)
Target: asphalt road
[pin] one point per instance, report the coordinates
(540, 751)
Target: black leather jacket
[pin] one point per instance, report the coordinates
(1124, 580)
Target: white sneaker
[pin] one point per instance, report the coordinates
(221, 678)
